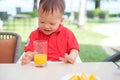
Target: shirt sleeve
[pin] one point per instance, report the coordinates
(72, 42)
(29, 44)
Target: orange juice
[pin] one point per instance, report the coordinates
(40, 59)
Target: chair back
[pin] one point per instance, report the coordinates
(10, 44)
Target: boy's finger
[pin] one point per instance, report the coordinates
(25, 58)
(23, 62)
(69, 59)
(28, 56)
(61, 59)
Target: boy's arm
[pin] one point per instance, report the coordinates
(73, 54)
(71, 57)
(28, 56)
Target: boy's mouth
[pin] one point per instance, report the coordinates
(47, 31)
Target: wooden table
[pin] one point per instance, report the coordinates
(55, 71)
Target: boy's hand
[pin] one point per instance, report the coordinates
(28, 56)
(67, 59)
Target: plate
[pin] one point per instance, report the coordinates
(68, 76)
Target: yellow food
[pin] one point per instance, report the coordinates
(75, 77)
(83, 77)
(92, 77)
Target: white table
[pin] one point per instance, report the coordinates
(55, 71)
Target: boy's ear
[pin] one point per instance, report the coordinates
(62, 19)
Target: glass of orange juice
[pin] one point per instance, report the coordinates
(40, 56)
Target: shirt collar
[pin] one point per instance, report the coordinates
(59, 28)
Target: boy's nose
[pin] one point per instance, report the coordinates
(47, 26)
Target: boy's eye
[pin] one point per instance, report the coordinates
(52, 23)
(42, 22)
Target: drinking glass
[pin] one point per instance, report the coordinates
(40, 49)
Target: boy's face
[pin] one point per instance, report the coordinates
(49, 22)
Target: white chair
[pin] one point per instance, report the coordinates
(78, 60)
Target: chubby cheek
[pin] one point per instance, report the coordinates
(40, 26)
(54, 28)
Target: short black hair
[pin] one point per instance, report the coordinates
(52, 5)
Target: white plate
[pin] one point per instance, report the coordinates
(68, 76)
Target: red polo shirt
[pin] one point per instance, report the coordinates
(59, 42)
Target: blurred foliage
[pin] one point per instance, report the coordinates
(90, 14)
(32, 14)
(98, 11)
(114, 15)
(101, 14)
